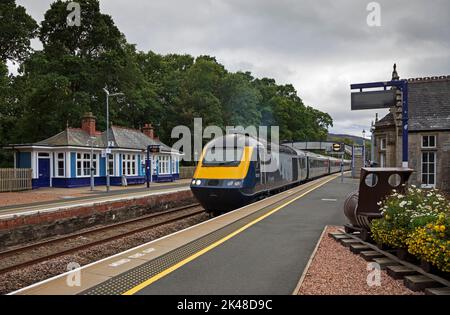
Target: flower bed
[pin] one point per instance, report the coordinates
(417, 221)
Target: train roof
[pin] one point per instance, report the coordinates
(315, 155)
(239, 140)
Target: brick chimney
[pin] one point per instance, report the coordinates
(88, 123)
(149, 131)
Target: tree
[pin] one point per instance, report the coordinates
(240, 100)
(56, 85)
(96, 35)
(17, 28)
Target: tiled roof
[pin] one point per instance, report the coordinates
(133, 139)
(386, 121)
(122, 137)
(429, 104)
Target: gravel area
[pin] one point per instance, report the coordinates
(335, 270)
(17, 279)
(90, 236)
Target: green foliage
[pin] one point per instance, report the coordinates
(57, 85)
(16, 30)
(403, 214)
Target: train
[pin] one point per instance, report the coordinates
(237, 169)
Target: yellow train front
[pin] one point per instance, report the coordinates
(230, 175)
(236, 170)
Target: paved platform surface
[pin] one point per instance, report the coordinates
(262, 248)
(267, 258)
(86, 198)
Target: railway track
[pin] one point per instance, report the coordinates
(93, 237)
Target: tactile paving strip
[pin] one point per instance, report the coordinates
(133, 277)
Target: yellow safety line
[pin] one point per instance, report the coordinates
(217, 243)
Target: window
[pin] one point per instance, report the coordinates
(163, 161)
(111, 164)
(60, 169)
(428, 169)
(382, 159)
(428, 142)
(129, 164)
(222, 156)
(84, 164)
(174, 165)
(383, 144)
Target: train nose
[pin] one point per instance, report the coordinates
(219, 199)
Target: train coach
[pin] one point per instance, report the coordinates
(236, 169)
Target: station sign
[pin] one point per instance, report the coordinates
(373, 99)
(154, 148)
(338, 147)
(105, 152)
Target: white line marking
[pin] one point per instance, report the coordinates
(325, 199)
(120, 262)
(137, 255)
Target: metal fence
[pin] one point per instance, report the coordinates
(15, 179)
(187, 171)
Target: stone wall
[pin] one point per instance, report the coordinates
(393, 158)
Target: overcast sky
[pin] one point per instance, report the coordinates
(320, 46)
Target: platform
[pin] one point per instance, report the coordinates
(93, 198)
(262, 248)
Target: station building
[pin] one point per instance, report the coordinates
(64, 160)
(429, 132)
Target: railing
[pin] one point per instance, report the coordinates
(187, 171)
(15, 179)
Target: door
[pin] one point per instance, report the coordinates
(294, 169)
(44, 173)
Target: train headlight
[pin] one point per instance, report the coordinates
(198, 182)
(237, 183)
(230, 183)
(193, 182)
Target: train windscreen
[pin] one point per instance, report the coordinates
(222, 156)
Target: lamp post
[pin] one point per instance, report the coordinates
(372, 144)
(364, 147)
(108, 95)
(91, 172)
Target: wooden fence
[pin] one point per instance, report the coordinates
(187, 171)
(15, 179)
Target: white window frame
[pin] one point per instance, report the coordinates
(163, 164)
(129, 164)
(428, 173)
(84, 160)
(429, 137)
(382, 159)
(174, 164)
(57, 160)
(110, 159)
(383, 143)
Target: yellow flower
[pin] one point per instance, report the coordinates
(442, 228)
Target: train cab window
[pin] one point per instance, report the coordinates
(223, 156)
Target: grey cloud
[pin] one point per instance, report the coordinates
(319, 46)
